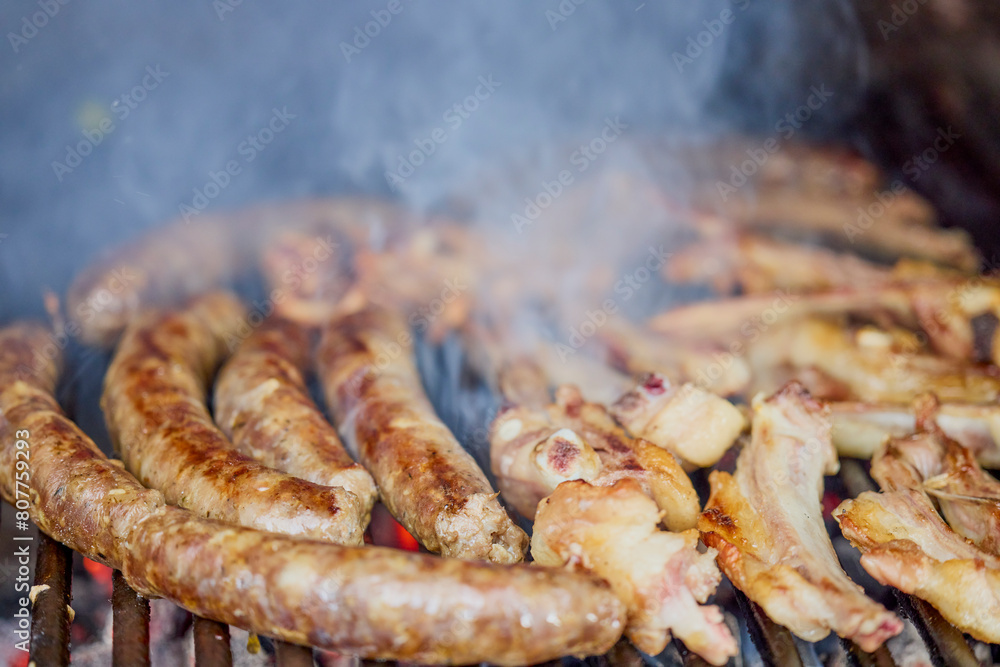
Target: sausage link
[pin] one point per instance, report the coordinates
(427, 480)
(178, 261)
(374, 602)
(154, 403)
(262, 404)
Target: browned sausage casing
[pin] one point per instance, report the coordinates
(374, 602)
(428, 481)
(155, 405)
(262, 404)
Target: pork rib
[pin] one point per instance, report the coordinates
(766, 522)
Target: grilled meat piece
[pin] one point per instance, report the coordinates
(905, 544)
(766, 522)
(533, 451)
(373, 602)
(660, 576)
(691, 423)
(154, 403)
(428, 481)
(859, 429)
(262, 404)
(758, 264)
(178, 261)
(968, 496)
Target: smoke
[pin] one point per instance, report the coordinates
(366, 90)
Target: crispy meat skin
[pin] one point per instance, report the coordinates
(968, 497)
(154, 405)
(905, 544)
(427, 480)
(758, 264)
(533, 451)
(373, 602)
(660, 576)
(860, 428)
(687, 421)
(766, 522)
(639, 351)
(262, 404)
(944, 304)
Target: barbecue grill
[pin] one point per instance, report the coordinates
(887, 106)
(467, 404)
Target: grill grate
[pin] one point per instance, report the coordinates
(775, 645)
(130, 619)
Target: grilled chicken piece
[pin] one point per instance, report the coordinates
(766, 521)
(906, 544)
(868, 364)
(758, 264)
(894, 234)
(859, 429)
(950, 309)
(533, 451)
(695, 425)
(709, 365)
(523, 368)
(929, 460)
(660, 576)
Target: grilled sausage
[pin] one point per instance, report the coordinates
(374, 602)
(154, 403)
(262, 404)
(180, 260)
(430, 484)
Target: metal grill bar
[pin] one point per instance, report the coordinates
(774, 642)
(858, 658)
(130, 629)
(211, 644)
(50, 621)
(945, 642)
(947, 645)
(293, 655)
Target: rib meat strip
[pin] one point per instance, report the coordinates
(766, 521)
